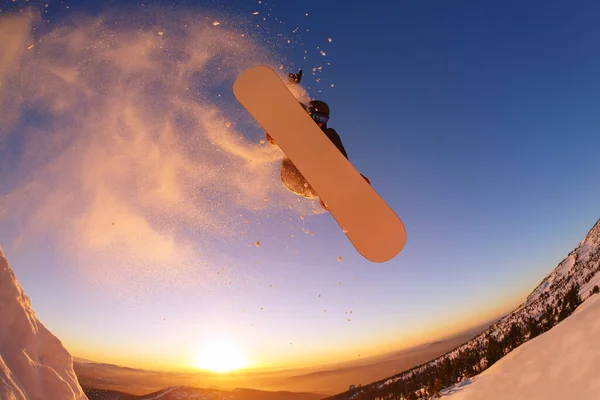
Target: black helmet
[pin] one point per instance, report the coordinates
(318, 106)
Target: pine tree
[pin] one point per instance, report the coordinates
(436, 386)
(533, 328)
(446, 372)
(494, 351)
(547, 319)
(570, 302)
(514, 337)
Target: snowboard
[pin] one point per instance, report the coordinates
(373, 228)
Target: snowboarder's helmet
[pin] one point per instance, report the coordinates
(318, 107)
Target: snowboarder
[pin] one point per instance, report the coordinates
(290, 175)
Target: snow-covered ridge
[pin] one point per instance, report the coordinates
(580, 268)
(33, 362)
(561, 364)
(586, 252)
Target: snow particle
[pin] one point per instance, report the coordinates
(216, 23)
(340, 259)
(255, 13)
(329, 40)
(257, 244)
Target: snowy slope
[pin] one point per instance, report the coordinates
(581, 267)
(33, 363)
(563, 363)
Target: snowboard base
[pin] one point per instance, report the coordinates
(368, 221)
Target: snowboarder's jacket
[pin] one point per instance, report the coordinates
(335, 138)
(294, 79)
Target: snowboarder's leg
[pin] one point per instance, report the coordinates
(294, 181)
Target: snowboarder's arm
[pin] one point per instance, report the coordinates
(335, 138)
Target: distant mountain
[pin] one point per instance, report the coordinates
(189, 393)
(104, 394)
(574, 280)
(325, 380)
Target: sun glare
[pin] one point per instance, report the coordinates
(220, 355)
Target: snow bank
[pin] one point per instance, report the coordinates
(34, 365)
(563, 363)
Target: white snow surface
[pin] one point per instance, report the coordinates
(34, 365)
(584, 256)
(562, 363)
(580, 267)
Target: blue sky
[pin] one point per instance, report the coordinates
(478, 124)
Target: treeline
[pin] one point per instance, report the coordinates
(429, 379)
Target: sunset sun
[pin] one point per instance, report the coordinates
(220, 355)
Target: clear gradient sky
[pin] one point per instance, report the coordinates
(134, 189)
